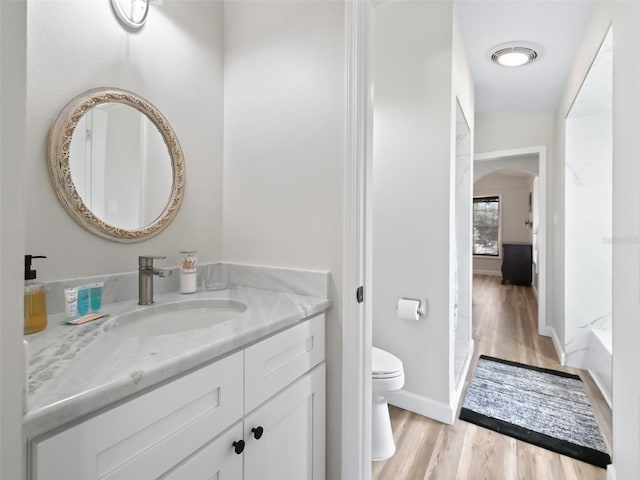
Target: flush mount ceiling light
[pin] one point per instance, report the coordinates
(514, 56)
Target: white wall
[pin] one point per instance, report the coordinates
(284, 153)
(413, 159)
(626, 232)
(12, 224)
(506, 131)
(514, 193)
(175, 62)
(524, 163)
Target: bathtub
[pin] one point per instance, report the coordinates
(600, 355)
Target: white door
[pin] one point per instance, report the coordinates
(285, 437)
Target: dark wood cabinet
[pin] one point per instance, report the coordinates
(517, 263)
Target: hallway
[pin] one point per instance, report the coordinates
(504, 326)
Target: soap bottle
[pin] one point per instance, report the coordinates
(35, 305)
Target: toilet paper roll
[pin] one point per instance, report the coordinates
(409, 309)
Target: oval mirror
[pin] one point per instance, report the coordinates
(116, 165)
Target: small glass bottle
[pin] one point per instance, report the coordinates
(83, 300)
(188, 271)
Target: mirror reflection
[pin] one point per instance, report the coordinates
(120, 165)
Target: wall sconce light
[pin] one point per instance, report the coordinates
(132, 13)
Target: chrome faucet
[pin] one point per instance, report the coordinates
(145, 277)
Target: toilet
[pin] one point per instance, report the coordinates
(387, 375)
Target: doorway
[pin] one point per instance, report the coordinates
(530, 160)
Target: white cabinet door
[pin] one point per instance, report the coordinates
(293, 432)
(150, 434)
(215, 461)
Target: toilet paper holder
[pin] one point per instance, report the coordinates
(411, 308)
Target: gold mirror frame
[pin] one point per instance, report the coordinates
(60, 171)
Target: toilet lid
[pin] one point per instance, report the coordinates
(385, 364)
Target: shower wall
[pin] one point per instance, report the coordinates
(588, 210)
(463, 341)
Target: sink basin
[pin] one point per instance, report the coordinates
(174, 317)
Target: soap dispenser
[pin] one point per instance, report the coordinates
(35, 305)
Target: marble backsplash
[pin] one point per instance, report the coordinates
(124, 286)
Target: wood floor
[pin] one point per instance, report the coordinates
(505, 326)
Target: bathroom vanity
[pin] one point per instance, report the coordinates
(242, 399)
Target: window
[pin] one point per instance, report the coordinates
(486, 226)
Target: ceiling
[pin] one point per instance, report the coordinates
(557, 26)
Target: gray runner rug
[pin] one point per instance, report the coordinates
(540, 406)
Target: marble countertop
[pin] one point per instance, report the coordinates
(75, 370)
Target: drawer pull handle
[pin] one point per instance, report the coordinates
(238, 446)
(257, 432)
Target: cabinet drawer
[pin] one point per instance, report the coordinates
(275, 362)
(148, 435)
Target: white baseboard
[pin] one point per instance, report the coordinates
(546, 331)
(557, 346)
(611, 472)
(422, 406)
(493, 273)
(601, 387)
(442, 412)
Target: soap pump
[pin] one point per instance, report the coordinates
(35, 304)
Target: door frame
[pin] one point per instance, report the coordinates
(13, 94)
(357, 259)
(541, 151)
